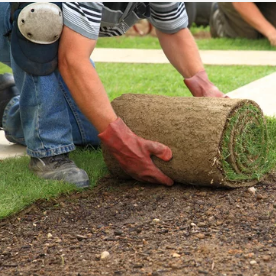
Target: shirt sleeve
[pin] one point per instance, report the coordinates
(168, 17)
(83, 17)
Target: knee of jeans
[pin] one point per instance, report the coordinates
(15, 140)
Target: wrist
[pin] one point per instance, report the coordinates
(199, 74)
(197, 83)
(200, 86)
(193, 73)
(109, 130)
(270, 32)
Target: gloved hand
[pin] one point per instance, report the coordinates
(134, 153)
(200, 86)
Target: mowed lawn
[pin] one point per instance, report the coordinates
(20, 188)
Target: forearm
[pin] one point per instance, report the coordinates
(182, 52)
(88, 92)
(252, 15)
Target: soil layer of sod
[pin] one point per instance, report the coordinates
(147, 229)
(214, 141)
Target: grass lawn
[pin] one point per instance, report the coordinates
(19, 188)
(149, 42)
(203, 44)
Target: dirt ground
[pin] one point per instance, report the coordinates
(147, 230)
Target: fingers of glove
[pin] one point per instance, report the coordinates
(159, 150)
(215, 92)
(143, 169)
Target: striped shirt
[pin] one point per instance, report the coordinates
(95, 19)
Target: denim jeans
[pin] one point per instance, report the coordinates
(44, 117)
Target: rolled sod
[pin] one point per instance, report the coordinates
(215, 141)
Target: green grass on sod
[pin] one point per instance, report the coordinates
(244, 149)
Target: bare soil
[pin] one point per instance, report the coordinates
(147, 230)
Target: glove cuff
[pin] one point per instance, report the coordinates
(114, 133)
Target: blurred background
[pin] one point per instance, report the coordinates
(199, 14)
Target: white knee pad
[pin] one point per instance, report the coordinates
(41, 23)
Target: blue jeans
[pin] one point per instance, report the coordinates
(44, 117)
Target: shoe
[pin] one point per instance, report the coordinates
(59, 167)
(8, 90)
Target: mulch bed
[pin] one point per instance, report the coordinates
(147, 230)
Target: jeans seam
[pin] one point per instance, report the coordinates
(4, 119)
(38, 115)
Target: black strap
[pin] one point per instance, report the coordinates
(15, 6)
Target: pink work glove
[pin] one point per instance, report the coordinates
(200, 86)
(134, 153)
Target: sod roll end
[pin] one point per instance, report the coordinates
(215, 141)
